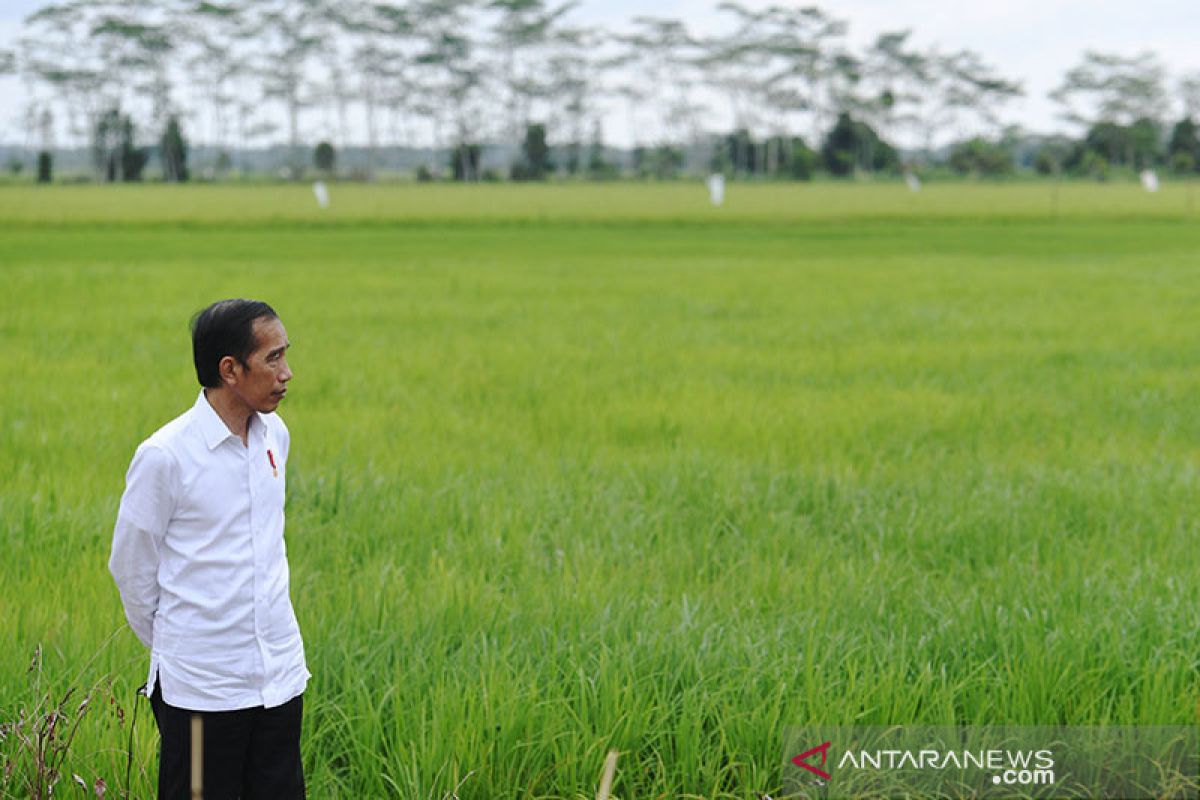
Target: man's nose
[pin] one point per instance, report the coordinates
(286, 374)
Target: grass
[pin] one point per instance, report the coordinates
(580, 468)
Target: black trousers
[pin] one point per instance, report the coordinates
(252, 753)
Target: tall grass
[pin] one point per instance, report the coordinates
(633, 477)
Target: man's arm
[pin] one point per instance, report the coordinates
(146, 508)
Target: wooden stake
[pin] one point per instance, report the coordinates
(197, 757)
(610, 769)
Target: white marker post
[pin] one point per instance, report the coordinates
(1150, 180)
(913, 182)
(606, 779)
(321, 193)
(716, 188)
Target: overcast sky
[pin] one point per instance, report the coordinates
(1034, 41)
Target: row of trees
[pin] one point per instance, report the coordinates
(456, 73)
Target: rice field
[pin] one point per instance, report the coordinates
(580, 468)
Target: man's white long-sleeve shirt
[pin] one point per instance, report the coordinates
(199, 558)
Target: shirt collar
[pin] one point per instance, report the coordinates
(213, 428)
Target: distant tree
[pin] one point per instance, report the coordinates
(1136, 145)
(571, 83)
(288, 37)
(381, 36)
(173, 149)
(853, 146)
(114, 153)
(57, 51)
(979, 157)
(522, 31)
(1189, 94)
(803, 160)
(45, 167)
(324, 157)
(535, 155)
(965, 89)
(214, 59)
(597, 167)
(1110, 88)
(455, 72)
(1053, 155)
(1183, 148)
(741, 153)
(663, 161)
(662, 55)
(464, 162)
(896, 76)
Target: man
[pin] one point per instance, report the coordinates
(198, 556)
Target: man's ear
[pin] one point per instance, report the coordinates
(227, 369)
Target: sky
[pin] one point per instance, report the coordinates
(1033, 41)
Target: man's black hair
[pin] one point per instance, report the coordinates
(226, 328)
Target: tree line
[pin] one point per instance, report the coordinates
(125, 77)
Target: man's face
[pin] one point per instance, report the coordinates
(262, 383)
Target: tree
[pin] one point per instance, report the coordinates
(378, 33)
(134, 49)
(454, 69)
(58, 52)
(979, 157)
(522, 30)
(1135, 145)
(1189, 94)
(464, 162)
(535, 162)
(1111, 88)
(324, 157)
(173, 149)
(896, 77)
(287, 32)
(852, 146)
(114, 154)
(662, 53)
(1184, 146)
(44, 167)
(966, 87)
(214, 59)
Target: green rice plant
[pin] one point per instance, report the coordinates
(580, 469)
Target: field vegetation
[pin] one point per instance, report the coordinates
(579, 468)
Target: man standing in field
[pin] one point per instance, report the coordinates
(199, 558)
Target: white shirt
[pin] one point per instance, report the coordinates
(199, 558)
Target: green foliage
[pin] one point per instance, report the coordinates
(324, 157)
(1183, 163)
(803, 161)
(113, 153)
(739, 155)
(663, 162)
(464, 161)
(1135, 146)
(45, 167)
(662, 477)
(173, 149)
(597, 167)
(535, 162)
(981, 157)
(1184, 146)
(852, 146)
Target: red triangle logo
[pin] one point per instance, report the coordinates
(802, 760)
